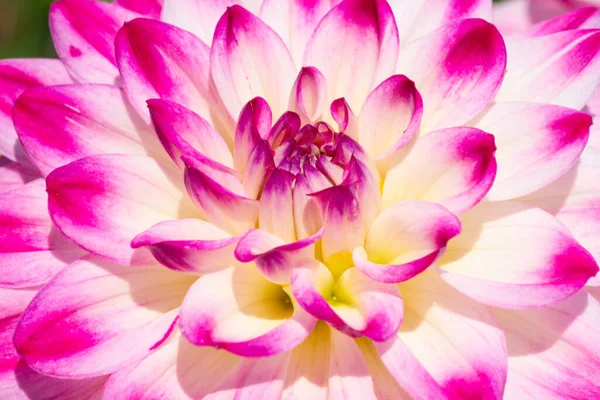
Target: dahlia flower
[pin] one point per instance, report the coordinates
(358, 199)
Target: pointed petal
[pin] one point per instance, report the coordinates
(14, 175)
(583, 18)
(454, 167)
(370, 23)
(404, 240)
(448, 345)
(182, 131)
(83, 32)
(254, 125)
(219, 303)
(61, 124)
(511, 256)
(276, 213)
(239, 75)
(96, 317)
(102, 202)
(536, 145)
(17, 76)
(258, 169)
(32, 250)
(309, 94)
(457, 68)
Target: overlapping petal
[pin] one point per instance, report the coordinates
(151, 8)
(308, 97)
(14, 175)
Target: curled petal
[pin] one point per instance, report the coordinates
(512, 256)
(189, 245)
(17, 76)
(344, 117)
(219, 303)
(61, 124)
(457, 68)
(95, 317)
(32, 250)
(182, 131)
(370, 23)
(102, 202)
(238, 74)
(254, 125)
(286, 128)
(275, 258)
(83, 32)
(309, 94)
(258, 169)
(404, 240)
(536, 144)
(307, 216)
(454, 167)
(276, 206)
(354, 304)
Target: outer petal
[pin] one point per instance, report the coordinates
(189, 245)
(14, 175)
(239, 75)
(151, 8)
(295, 21)
(32, 250)
(182, 131)
(218, 304)
(83, 32)
(103, 202)
(511, 256)
(454, 167)
(404, 240)
(390, 118)
(96, 317)
(448, 345)
(457, 68)
(583, 18)
(309, 94)
(575, 201)
(558, 69)
(370, 23)
(418, 17)
(354, 304)
(17, 76)
(537, 143)
(201, 16)
(157, 60)
(552, 352)
(327, 365)
(61, 124)
(176, 370)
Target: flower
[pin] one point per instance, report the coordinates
(335, 199)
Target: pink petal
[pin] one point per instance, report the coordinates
(448, 346)
(575, 201)
(454, 167)
(536, 144)
(344, 117)
(275, 258)
(404, 240)
(553, 352)
(370, 23)
(217, 191)
(102, 202)
(17, 76)
(307, 215)
(201, 16)
(32, 250)
(259, 166)
(182, 131)
(327, 365)
(238, 74)
(83, 32)
(352, 303)
(511, 256)
(309, 94)
(61, 124)
(157, 60)
(253, 126)
(151, 8)
(218, 304)
(176, 370)
(295, 21)
(457, 68)
(276, 214)
(189, 245)
(14, 175)
(390, 118)
(418, 17)
(512, 17)
(559, 68)
(583, 18)
(95, 317)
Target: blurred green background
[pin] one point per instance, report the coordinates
(24, 29)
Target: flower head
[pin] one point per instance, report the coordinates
(301, 199)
